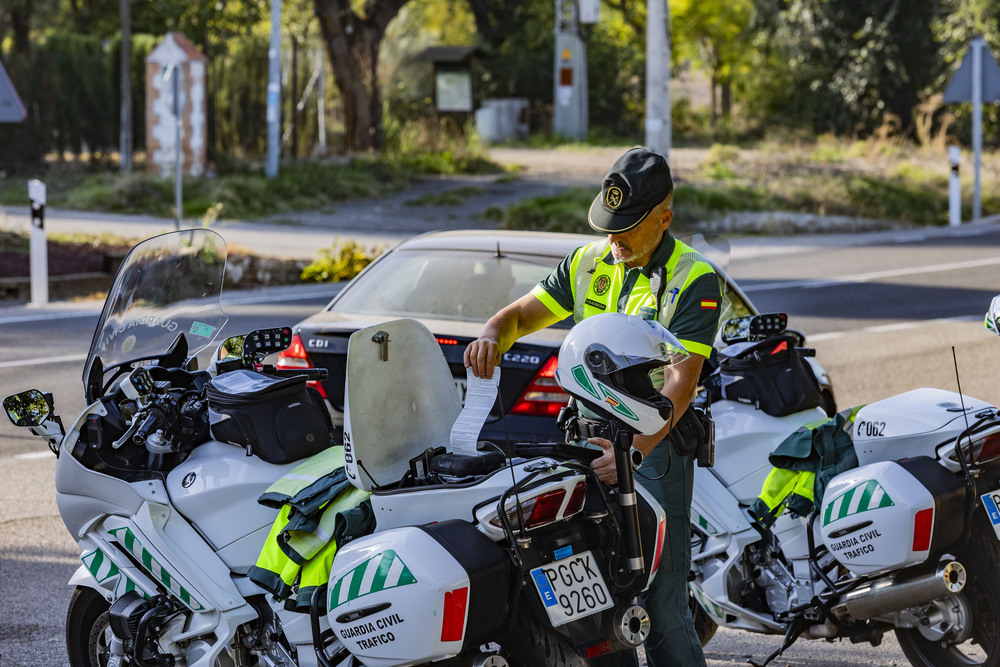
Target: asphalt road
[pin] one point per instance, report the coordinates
(883, 312)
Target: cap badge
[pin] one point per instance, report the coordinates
(614, 197)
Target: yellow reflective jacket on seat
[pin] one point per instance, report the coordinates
(318, 509)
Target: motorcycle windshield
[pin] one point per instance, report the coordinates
(167, 286)
(715, 248)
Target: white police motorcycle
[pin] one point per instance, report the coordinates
(509, 557)
(908, 540)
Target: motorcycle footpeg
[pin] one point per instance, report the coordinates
(628, 626)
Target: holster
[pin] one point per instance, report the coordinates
(694, 435)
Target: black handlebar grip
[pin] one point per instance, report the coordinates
(150, 423)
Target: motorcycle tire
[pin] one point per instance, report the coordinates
(704, 626)
(86, 626)
(981, 596)
(534, 645)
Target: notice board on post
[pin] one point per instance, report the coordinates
(11, 108)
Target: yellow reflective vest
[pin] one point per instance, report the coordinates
(598, 283)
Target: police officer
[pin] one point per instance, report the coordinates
(638, 269)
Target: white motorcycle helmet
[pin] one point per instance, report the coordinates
(993, 316)
(607, 362)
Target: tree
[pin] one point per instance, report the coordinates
(712, 33)
(353, 39)
(848, 65)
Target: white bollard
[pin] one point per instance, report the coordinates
(38, 250)
(954, 189)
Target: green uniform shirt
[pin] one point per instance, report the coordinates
(695, 315)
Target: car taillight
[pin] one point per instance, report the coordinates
(453, 618)
(543, 397)
(990, 449)
(295, 357)
(661, 535)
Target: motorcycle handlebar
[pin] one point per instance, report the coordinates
(309, 373)
(152, 421)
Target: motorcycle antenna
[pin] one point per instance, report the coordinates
(965, 414)
(510, 458)
(970, 485)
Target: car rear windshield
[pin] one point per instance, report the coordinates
(443, 284)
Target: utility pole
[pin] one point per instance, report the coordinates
(321, 102)
(125, 116)
(274, 93)
(658, 136)
(569, 114)
(977, 47)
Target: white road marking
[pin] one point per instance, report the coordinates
(42, 360)
(28, 456)
(873, 276)
(896, 326)
(45, 317)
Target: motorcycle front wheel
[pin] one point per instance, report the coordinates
(86, 629)
(534, 645)
(975, 637)
(704, 626)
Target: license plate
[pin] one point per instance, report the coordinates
(991, 502)
(462, 387)
(571, 588)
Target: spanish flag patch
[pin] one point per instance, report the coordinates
(709, 304)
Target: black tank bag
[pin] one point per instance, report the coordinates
(770, 375)
(278, 419)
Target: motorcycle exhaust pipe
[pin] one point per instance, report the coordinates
(897, 592)
(628, 626)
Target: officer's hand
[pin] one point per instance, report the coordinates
(481, 357)
(604, 465)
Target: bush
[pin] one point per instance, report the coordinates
(341, 261)
(566, 212)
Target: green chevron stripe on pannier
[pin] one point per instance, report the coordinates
(380, 572)
(862, 497)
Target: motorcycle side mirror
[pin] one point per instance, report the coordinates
(753, 327)
(231, 348)
(736, 330)
(993, 316)
(29, 408)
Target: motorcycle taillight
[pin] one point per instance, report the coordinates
(576, 500)
(990, 449)
(543, 397)
(540, 510)
(295, 357)
(546, 508)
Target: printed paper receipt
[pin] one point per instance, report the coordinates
(479, 400)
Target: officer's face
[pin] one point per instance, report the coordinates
(637, 245)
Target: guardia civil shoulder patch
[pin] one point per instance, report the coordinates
(709, 304)
(602, 285)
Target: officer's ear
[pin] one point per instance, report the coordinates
(666, 217)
